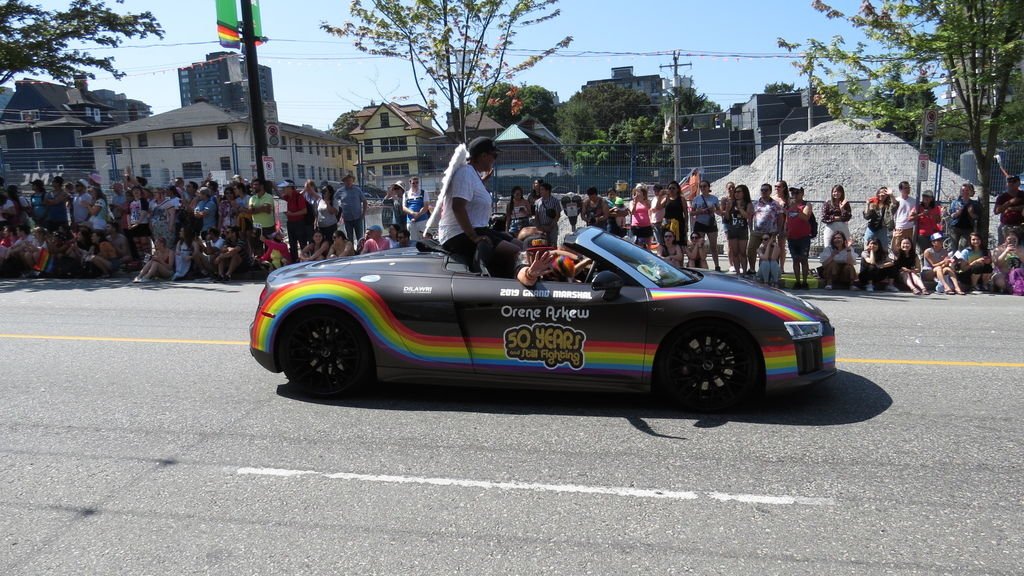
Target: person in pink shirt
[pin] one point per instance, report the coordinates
(373, 241)
(276, 253)
(640, 209)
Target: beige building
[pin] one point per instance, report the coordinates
(393, 141)
(200, 139)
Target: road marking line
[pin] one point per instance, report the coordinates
(136, 340)
(932, 362)
(245, 343)
(560, 488)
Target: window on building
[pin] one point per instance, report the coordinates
(41, 165)
(143, 140)
(146, 171)
(333, 150)
(97, 114)
(368, 147)
(286, 171)
(29, 115)
(348, 154)
(113, 174)
(385, 120)
(113, 146)
(192, 170)
(78, 138)
(397, 144)
(284, 143)
(3, 142)
(182, 139)
(222, 132)
(395, 170)
(37, 139)
(298, 144)
(320, 171)
(225, 162)
(317, 148)
(300, 171)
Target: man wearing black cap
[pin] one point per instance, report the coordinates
(466, 211)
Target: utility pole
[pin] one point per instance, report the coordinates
(810, 95)
(252, 67)
(676, 81)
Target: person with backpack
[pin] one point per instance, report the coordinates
(963, 216)
(799, 215)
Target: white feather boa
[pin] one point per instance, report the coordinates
(459, 159)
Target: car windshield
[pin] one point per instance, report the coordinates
(652, 267)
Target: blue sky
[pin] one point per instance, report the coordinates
(318, 76)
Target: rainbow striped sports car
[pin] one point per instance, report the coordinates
(633, 323)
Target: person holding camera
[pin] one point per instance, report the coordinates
(548, 210)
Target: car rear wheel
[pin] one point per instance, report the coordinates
(325, 353)
(709, 367)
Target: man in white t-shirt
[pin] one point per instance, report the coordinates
(466, 212)
(905, 217)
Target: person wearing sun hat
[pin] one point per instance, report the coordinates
(938, 264)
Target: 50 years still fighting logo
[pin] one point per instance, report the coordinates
(552, 344)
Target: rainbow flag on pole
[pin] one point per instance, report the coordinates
(227, 23)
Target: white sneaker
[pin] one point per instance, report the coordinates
(870, 288)
(828, 286)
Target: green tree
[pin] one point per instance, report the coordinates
(597, 108)
(509, 104)
(973, 46)
(641, 130)
(457, 49)
(690, 103)
(34, 40)
(345, 123)
(779, 88)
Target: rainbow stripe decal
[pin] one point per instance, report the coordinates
(781, 311)
(780, 362)
(828, 352)
(394, 338)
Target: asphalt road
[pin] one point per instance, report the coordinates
(125, 455)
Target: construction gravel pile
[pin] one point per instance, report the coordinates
(835, 153)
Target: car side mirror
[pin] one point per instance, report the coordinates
(608, 282)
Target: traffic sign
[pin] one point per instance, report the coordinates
(268, 167)
(929, 122)
(922, 167)
(270, 112)
(273, 130)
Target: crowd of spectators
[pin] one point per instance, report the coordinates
(188, 230)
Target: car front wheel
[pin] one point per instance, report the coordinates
(325, 353)
(709, 367)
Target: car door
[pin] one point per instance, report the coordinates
(557, 333)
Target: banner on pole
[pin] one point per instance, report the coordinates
(227, 23)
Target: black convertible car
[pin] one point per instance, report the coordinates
(707, 340)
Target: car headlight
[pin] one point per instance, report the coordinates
(804, 330)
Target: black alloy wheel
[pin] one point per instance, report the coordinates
(325, 353)
(708, 368)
